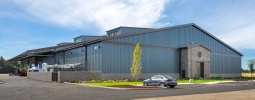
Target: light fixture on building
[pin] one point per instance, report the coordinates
(96, 47)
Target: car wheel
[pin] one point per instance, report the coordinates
(162, 85)
(172, 86)
(145, 84)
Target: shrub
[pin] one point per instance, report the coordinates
(120, 81)
(110, 81)
(95, 81)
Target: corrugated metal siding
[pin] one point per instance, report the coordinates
(226, 61)
(76, 55)
(49, 60)
(124, 30)
(225, 64)
(59, 57)
(94, 57)
(118, 59)
(178, 37)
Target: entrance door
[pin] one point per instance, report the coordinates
(183, 74)
(200, 69)
(202, 73)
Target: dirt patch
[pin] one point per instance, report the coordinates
(133, 86)
(3, 74)
(248, 74)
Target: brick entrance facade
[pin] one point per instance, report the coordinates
(195, 62)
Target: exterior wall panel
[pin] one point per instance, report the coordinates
(118, 59)
(59, 58)
(94, 57)
(223, 59)
(76, 56)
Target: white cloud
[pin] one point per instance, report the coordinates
(104, 14)
(231, 24)
(244, 37)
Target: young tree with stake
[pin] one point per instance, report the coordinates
(136, 64)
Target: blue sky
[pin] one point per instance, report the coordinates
(30, 24)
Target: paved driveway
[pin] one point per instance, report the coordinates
(20, 88)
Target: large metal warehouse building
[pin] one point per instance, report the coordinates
(181, 51)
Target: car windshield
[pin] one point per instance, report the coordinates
(167, 76)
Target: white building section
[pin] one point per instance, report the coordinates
(45, 66)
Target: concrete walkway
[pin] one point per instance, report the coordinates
(235, 95)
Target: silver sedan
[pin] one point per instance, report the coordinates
(160, 80)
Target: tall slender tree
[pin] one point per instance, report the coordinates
(136, 63)
(2, 61)
(2, 65)
(251, 63)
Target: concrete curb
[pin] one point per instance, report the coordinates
(217, 82)
(116, 88)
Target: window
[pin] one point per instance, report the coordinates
(113, 34)
(78, 40)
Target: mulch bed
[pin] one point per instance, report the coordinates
(133, 86)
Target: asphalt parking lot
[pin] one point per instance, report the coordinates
(20, 88)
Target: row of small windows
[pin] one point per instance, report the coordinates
(113, 34)
(78, 40)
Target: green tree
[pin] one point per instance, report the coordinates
(2, 62)
(251, 66)
(136, 64)
(7, 67)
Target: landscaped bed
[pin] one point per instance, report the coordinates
(181, 81)
(115, 83)
(133, 86)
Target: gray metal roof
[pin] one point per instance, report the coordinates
(148, 31)
(89, 36)
(80, 44)
(194, 45)
(36, 52)
(130, 27)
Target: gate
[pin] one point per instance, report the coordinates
(54, 76)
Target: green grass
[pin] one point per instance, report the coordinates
(179, 81)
